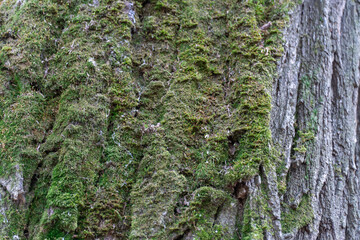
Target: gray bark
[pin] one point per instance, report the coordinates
(317, 93)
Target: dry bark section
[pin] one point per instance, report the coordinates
(315, 121)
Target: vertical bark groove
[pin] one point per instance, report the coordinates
(326, 108)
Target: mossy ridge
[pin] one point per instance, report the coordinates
(187, 110)
(106, 211)
(198, 100)
(187, 122)
(133, 127)
(83, 120)
(177, 75)
(159, 194)
(24, 121)
(22, 131)
(253, 59)
(200, 215)
(157, 178)
(292, 219)
(45, 69)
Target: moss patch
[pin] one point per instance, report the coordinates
(299, 217)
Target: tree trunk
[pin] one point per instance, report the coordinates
(315, 121)
(179, 119)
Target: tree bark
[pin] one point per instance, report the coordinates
(315, 105)
(179, 119)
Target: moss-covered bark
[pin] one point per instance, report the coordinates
(137, 119)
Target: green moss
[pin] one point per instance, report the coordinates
(122, 118)
(301, 149)
(299, 217)
(257, 218)
(154, 203)
(252, 228)
(201, 214)
(6, 49)
(257, 66)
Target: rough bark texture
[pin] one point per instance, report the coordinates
(315, 121)
(153, 119)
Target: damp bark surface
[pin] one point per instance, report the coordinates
(179, 119)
